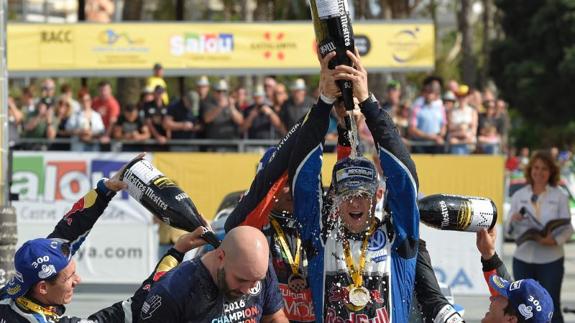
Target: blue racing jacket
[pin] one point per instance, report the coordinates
(390, 270)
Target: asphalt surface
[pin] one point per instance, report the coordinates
(89, 299)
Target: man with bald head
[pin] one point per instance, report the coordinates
(233, 283)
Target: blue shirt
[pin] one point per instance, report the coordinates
(428, 117)
(189, 294)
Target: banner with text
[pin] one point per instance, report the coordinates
(211, 47)
(48, 183)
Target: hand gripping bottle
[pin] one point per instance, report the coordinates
(333, 32)
(161, 196)
(458, 213)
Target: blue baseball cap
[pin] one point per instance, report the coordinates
(528, 297)
(37, 260)
(354, 174)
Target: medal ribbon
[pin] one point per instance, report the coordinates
(356, 274)
(292, 261)
(33, 307)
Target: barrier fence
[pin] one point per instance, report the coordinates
(48, 183)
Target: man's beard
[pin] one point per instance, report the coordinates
(229, 294)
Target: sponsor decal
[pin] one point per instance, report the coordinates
(464, 216)
(326, 48)
(112, 37)
(181, 196)
(363, 44)
(56, 36)
(525, 311)
(345, 27)
(18, 276)
(444, 214)
(273, 45)
(150, 306)
(164, 182)
(515, 285)
(381, 317)
(298, 306)
(14, 290)
(377, 241)
(499, 282)
(198, 43)
(405, 45)
(47, 271)
(254, 291)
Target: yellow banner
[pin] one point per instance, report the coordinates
(207, 178)
(215, 48)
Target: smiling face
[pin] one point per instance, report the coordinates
(540, 173)
(356, 211)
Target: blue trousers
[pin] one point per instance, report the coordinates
(549, 275)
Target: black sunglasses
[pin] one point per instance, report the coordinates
(534, 198)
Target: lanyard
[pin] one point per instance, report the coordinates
(356, 275)
(292, 261)
(33, 307)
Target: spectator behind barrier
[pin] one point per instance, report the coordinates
(157, 79)
(131, 126)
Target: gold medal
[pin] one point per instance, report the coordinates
(297, 283)
(359, 297)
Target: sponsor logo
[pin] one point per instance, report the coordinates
(297, 306)
(164, 182)
(535, 302)
(47, 271)
(345, 27)
(499, 282)
(14, 290)
(353, 172)
(326, 48)
(19, 277)
(464, 216)
(137, 184)
(38, 179)
(254, 291)
(112, 37)
(196, 43)
(377, 241)
(273, 45)
(525, 311)
(381, 316)
(56, 36)
(444, 214)
(405, 45)
(363, 44)
(150, 306)
(515, 285)
(181, 196)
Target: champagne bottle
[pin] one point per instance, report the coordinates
(333, 32)
(458, 213)
(161, 196)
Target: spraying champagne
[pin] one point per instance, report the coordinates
(161, 196)
(333, 32)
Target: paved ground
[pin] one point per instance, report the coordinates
(91, 298)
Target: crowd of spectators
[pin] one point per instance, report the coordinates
(455, 119)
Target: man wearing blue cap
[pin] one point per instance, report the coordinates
(46, 272)
(523, 300)
(360, 268)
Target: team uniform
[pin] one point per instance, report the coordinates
(189, 294)
(390, 250)
(72, 230)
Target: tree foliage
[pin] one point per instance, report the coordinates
(534, 64)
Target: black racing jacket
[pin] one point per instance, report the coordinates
(73, 228)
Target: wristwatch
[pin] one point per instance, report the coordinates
(370, 99)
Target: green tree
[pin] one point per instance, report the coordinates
(534, 64)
